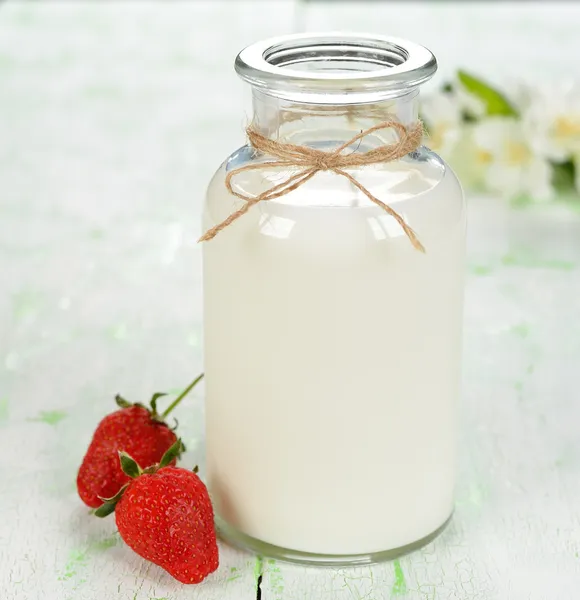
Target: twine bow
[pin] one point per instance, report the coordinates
(310, 161)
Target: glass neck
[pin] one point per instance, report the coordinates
(311, 124)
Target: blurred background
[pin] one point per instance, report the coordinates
(113, 117)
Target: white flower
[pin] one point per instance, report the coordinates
(513, 168)
(450, 137)
(521, 95)
(469, 162)
(553, 119)
(442, 114)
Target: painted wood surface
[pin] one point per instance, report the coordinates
(112, 119)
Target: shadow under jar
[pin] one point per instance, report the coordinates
(332, 345)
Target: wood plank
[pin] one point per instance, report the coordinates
(115, 116)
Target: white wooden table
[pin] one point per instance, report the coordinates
(112, 119)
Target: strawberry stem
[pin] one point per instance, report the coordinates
(181, 396)
(171, 454)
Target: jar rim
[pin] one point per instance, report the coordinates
(335, 67)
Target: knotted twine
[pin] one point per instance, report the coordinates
(310, 161)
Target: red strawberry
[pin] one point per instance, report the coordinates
(165, 515)
(140, 431)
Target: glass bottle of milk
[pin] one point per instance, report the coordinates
(332, 345)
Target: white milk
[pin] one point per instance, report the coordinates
(332, 352)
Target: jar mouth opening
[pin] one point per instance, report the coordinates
(335, 68)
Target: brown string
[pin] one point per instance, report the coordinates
(310, 161)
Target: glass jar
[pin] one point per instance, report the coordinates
(332, 345)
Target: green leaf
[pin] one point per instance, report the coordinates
(171, 454)
(105, 510)
(121, 402)
(496, 104)
(564, 176)
(129, 465)
(154, 399)
(109, 504)
(195, 469)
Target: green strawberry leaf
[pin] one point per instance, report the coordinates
(109, 504)
(195, 469)
(121, 402)
(129, 465)
(105, 510)
(154, 399)
(171, 454)
(496, 104)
